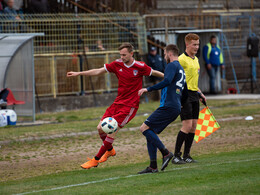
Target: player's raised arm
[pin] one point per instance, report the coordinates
(157, 73)
(92, 72)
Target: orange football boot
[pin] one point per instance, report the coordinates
(107, 155)
(91, 163)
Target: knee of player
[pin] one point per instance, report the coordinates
(186, 128)
(143, 128)
(99, 128)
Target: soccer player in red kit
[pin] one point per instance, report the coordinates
(130, 76)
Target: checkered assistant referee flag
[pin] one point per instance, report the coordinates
(206, 124)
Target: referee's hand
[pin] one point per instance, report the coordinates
(202, 98)
(141, 91)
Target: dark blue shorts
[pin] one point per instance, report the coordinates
(161, 118)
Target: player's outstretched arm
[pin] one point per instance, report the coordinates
(157, 73)
(141, 91)
(92, 72)
(72, 74)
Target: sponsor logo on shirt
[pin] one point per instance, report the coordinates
(120, 70)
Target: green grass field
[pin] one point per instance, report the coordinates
(224, 173)
(229, 159)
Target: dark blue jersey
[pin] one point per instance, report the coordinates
(172, 86)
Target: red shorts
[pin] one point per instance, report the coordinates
(123, 114)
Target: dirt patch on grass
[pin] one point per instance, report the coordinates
(28, 159)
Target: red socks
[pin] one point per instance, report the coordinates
(103, 136)
(107, 144)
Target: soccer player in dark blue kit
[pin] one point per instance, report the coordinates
(173, 95)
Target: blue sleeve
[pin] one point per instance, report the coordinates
(205, 54)
(169, 74)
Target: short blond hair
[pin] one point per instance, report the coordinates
(191, 36)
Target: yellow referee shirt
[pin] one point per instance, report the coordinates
(192, 69)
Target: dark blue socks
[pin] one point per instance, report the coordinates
(153, 138)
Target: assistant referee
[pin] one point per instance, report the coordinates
(190, 110)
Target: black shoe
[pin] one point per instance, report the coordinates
(166, 160)
(148, 170)
(177, 159)
(188, 159)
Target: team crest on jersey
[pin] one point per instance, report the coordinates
(178, 91)
(135, 72)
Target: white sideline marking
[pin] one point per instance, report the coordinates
(128, 176)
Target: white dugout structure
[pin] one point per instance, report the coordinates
(17, 71)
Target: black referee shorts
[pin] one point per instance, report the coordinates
(190, 110)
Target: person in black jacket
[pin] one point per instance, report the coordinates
(156, 62)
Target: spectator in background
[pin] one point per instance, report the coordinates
(156, 62)
(18, 4)
(11, 11)
(99, 46)
(213, 58)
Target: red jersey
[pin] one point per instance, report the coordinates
(130, 80)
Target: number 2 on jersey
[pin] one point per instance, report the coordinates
(179, 82)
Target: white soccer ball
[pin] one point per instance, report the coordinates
(109, 125)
